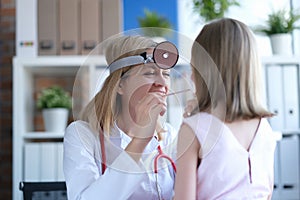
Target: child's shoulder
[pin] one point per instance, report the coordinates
(201, 117)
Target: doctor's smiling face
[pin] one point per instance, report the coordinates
(143, 88)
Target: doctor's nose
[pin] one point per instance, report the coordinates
(162, 79)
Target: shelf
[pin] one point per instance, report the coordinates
(43, 135)
(53, 61)
(281, 60)
(291, 132)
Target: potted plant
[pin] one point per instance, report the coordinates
(280, 25)
(55, 103)
(212, 9)
(154, 25)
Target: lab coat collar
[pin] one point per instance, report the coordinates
(117, 133)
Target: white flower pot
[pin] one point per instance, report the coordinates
(281, 44)
(55, 119)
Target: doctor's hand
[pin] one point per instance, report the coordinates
(145, 115)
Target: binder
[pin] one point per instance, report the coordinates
(47, 27)
(90, 25)
(32, 162)
(69, 27)
(60, 151)
(26, 28)
(291, 99)
(289, 169)
(276, 191)
(112, 14)
(275, 96)
(43, 161)
(48, 156)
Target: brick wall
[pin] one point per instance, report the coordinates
(7, 51)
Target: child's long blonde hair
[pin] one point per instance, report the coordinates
(231, 46)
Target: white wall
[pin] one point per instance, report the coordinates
(252, 13)
(296, 5)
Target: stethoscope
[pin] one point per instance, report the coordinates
(160, 155)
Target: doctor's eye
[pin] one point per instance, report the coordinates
(149, 73)
(166, 74)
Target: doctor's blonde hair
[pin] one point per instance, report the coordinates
(102, 110)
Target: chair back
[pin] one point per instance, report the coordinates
(44, 190)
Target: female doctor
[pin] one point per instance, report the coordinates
(111, 151)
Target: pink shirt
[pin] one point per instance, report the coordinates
(227, 170)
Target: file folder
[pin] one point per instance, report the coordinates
(43, 161)
(32, 162)
(275, 96)
(289, 169)
(60, 172)
(69, 27)
(26, 28)
(47, 27)
(291, 99)
(90, 25)
(112, 14)
(48, 157)
(276, 193)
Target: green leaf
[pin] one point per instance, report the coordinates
(54, 97)
(212, 9)
(280, 21)
(159, 24)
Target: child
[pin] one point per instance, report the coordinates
(226, 148)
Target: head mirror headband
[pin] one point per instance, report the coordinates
(165, 56)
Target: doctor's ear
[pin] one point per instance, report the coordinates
(120, 88)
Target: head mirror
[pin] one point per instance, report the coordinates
(165, 55)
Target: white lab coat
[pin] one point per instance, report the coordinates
(123, 177)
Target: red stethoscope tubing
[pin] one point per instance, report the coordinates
(160, 155)
(103, 154)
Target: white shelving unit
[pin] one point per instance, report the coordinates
(25, 138)
(282, 94)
